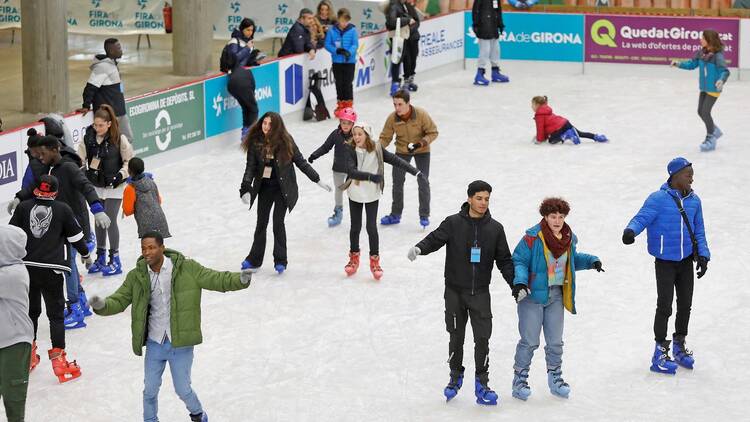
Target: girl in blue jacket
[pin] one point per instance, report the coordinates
(713, 74)
(342, 42)
(546, 261)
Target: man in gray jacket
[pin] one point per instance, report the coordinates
(16, 332)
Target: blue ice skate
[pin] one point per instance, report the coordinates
(100, 263)
(114, 267)
(661, 362)
(201, 417)
(479, 78)
(484, 394)
(280, 268)
(499, 77)
(709, 144)
(84, 302)
(338, 215)
(73, 317)
(572, 136)
(600, 138)
(557, 385)
(395, 86)
(682, 356)
(455, 383)
(390, 219)
(521, 389)
(246, 265)
(424, 222)
(717, 133)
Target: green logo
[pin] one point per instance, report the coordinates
(605, 37)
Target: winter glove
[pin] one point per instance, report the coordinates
(344, 52)
(701, 266)
(325, 186)
(628, 237)
(246, 198)
(310, 159)
(598, 266)
(421, 175)
(246, 276)
(375, 178)
(415, 146)
(413, 253)
(719, 84)
(96, 302)
(115, 181)
(520, 291)
(100, 218)
(12, 205)
(87, 261)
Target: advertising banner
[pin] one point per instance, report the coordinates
(373, 64)
(655, 39)
(167, 120)
(745, 43)
(223, 112)
(535, 36)
(294, 80)
(11, 163)
(441, 41)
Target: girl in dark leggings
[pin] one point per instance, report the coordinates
(105, 152)
(364, 186)
(270, 178)
(712, 75)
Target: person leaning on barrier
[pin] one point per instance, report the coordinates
(299, 39)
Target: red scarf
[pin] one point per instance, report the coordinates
(555, 245)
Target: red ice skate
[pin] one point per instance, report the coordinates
(34, 361)
(64, 370)
(377, 272)
(353, 264)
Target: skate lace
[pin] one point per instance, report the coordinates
(557, 378)
(523, 378)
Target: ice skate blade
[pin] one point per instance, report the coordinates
(659, 370)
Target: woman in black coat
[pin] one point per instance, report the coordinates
(241, 82)
(270, 178)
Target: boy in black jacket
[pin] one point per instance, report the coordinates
(487, 24)
(475, 241)
(49, 226)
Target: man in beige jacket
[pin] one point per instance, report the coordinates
(415, 131)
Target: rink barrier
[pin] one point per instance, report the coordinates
(202, 109)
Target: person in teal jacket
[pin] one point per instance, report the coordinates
(713, 74)
(546, 261)
(342, 42)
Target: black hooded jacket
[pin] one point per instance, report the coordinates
(461, 233)
(487, 20)
(404, 12)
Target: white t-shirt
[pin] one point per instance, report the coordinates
(364, 191)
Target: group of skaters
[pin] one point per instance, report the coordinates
(50, 227)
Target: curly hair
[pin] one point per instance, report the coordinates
(554, 205)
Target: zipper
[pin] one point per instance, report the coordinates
(682, 235)
(473, 265)
(661, 247)
(454, 322)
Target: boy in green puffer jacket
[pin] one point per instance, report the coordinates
(165, 290)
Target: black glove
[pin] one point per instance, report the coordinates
(598, 266)
(344, 52)
(310, 159)
(415, 146)
(501, 28)
(628, 237)
(375, 178)
(701, 266)
(115, 181)
(520, 291)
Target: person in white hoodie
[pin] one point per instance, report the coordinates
(16, 329)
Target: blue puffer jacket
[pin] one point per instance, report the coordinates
(531, 267)
(711, 69)
(668, 237)
(347, 39)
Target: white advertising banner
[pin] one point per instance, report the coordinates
(745, 44)
(372, 63)
(11, 164)
(441, 42)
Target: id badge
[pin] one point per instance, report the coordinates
(94, 165)
(267, 172)
(337, 44)
(476, 255)
(494, 4)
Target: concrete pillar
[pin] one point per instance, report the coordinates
(44, 51)
(192, 23)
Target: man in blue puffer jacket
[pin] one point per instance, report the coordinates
(342, 42)
(673, 246)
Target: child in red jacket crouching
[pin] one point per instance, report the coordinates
(556, 129)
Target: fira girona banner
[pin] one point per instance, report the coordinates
(655, 39)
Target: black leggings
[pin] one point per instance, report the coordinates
(270, 196)
(355, 210)
(49, 285)
(408, 58)
(673, 276)
(344, 75)
(705, 104)
(556, 137)
(242, 87)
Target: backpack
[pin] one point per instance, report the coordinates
(226, 60)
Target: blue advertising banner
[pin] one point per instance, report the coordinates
(223, 113)
(534, 36)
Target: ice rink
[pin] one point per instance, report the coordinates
(314, 345)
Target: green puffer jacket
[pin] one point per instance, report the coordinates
(189, 278)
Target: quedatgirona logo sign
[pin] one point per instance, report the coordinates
(603, 32)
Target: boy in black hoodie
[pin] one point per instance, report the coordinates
(475, 241)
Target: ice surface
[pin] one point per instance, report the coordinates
(313, 345)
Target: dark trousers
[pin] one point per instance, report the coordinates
(705, 104)
(49, 285)
(355, 210)
(556, 136)
(673, 276)
(242, 87)
(270, 196)
(344, 75)
(399, 177)
(459, 307)
(409, 60)
(14, 379)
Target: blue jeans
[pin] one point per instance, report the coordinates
(180, 364)
(532, 317)
(72, 279)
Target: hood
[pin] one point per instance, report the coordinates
(70, 154)
(544, 110)
(13, 245)
(240, 36)
(144, 184)
(348, 27)
(534, 231)
(102, 59)
(465, 213)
